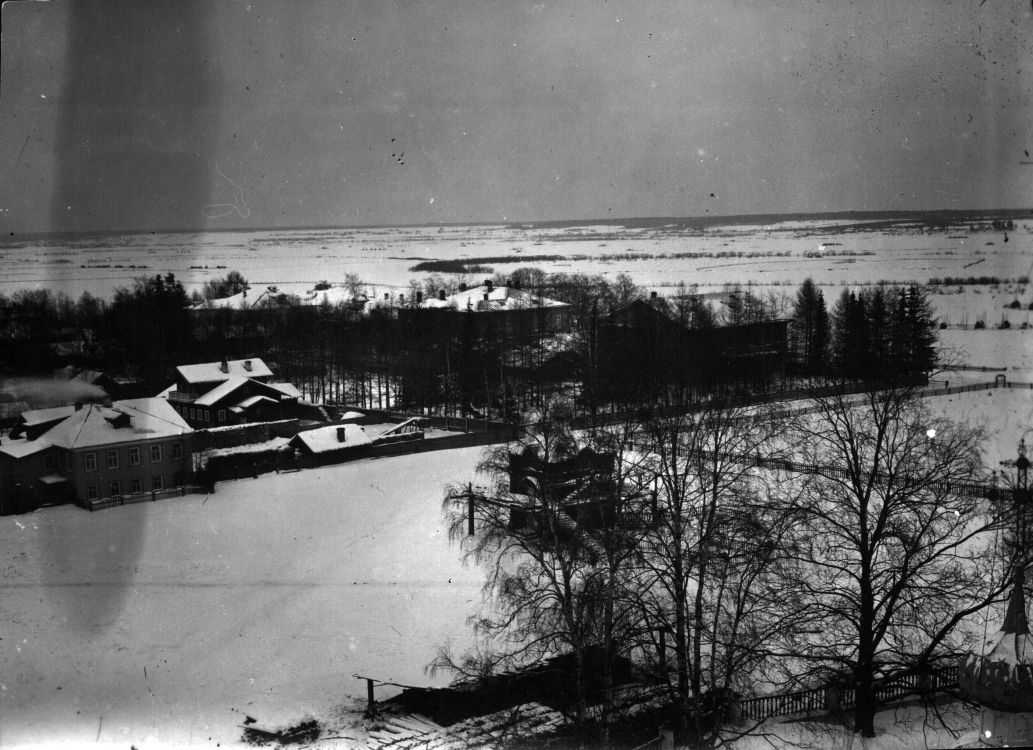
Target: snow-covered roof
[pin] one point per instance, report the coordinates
(42, 416)
(499, 298)
(96, 425)
(323, 439)
(249, 402)
(287, 389)
(238, 301)
(148, 418)
(335, 295)
(220, 391)
(209, 372)
(20, 448)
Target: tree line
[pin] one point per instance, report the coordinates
(880, 333)
(381, 358)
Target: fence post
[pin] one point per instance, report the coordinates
(832, 696)
(371, 704)
(666, 738)
(469, 495)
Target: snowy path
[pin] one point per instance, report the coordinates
(175, 619)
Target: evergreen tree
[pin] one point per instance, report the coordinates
(850, 336)
(811, 327)
(878, 363)
(152, 325)
(920, 329)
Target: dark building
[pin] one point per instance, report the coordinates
(643, 354)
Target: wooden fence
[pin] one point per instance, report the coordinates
(835, 698)
(243, 465)
(144, 497)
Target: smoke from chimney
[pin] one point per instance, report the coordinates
(44, 392)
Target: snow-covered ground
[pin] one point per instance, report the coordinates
(174, 620)
(903, 727)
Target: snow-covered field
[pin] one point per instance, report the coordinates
(777, 256)
(174, 620)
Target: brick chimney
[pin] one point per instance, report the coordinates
(247, 365)
(462, 286)
(340, 435)
(488, 283)
(224, 365)
(441, 294)
(419, 297)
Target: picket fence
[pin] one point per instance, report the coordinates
(144, 497)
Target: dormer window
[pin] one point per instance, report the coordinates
(119, 420)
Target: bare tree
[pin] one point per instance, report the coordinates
(555, 531)
(892, 559)
(714, 566)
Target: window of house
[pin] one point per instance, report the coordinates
(221, 415)
(90, 461)
(134, 456)
(114, 489)
(156, 452)
(91, 492)
(207, 416)
(49, 464)
(177, 451)
(193, 413)
(135, 485)
(113, 458)
(157, 482)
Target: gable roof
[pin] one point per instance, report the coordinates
(220, 391)
(211, 372)
(251, 401)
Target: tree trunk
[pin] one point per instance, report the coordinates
(864, 697)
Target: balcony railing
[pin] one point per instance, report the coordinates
(184, 397)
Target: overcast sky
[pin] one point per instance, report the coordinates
(179, 115)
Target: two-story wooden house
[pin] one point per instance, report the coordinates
(94, 452)
(216, 394)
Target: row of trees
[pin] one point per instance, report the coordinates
(381, 359)
(881, 333)
(723, 579)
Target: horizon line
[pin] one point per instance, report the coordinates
(766, 217)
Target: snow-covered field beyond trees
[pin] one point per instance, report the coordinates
(175, 620)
